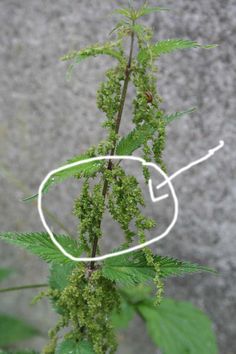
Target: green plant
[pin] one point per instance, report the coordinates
(13, 329)
(93, 299)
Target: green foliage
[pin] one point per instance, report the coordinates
(133, 269)
(59, 275)
(93, 51)
(175, 327)
(174, 267)
(133, 14)
(40, 244)
(87, 169)
(135, 295)
(122, 317)
(134, 140)
(18, 352)
(145, 10)
(128, 269)
(140, 135)
(171, 117)
(71, 346)
(168, 46)
(4, 273)
(13, 330)
(130, 297)
(178, 327)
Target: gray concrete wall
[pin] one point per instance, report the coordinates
(44, 120)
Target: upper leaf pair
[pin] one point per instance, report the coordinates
(168, 46)
(126, 269)
(133, 14)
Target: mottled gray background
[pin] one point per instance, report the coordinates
(44, 120)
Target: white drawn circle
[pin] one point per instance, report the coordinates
(118, 253)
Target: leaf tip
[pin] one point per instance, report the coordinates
(210, 46)
(31, 197)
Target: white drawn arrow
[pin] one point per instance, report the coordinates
(210, 153)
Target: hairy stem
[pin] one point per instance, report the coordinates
(117, 127)
(23, 287)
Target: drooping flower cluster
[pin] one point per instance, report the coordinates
(87, 305)
(89, 209)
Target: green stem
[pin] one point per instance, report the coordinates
(117, 127)
(23, 287)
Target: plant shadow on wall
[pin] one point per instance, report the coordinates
(95, 299)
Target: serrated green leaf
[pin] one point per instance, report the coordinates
(140, 135)
(169, 118)
(178, 327)
(124, 12)
(4, 273)
(13, 330)
(168, 46)
(122, 317)
(133, 14)
(145, 10)
(93, 51)
(84, 170)
(69, 346)
(171, 45)
(173, 267)
(128, 269)
(40, 244)
(132, 269)
(59, 274)
(134, 140)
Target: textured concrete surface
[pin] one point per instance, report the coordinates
(44, 120)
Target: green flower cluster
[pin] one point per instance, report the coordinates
(152, 262)
(124, 202)
(108, 99)
(89, 208)
(87, 304)
(146, 110)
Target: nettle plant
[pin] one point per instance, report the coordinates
(95, 299)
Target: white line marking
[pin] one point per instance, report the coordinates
(196, 162)
(145, 163)
(128, 250)
(154, 199)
